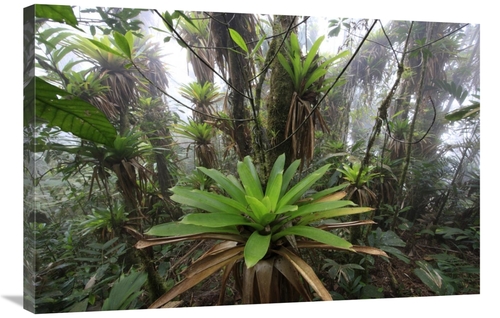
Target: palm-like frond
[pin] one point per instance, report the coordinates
(203, 96)
(201, 134)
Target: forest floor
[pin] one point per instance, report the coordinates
(395, 279)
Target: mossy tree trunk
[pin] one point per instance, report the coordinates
(280, 97)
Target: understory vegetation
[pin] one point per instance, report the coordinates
(304, 159)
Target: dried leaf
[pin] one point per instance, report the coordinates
(306, 272)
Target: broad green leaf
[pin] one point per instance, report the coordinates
(227, 185)
(123, 44)
(258, 208)
(219, 220)
(206, 201)
(297, 70)
(288, 176)
(250, 183)
(71, 114)
(253, 171)
(285, 65)
(177, 229)
(312, 53)
(463, 112)
(238, 39)
(58, 13)
(124, 291)
(273, 191)
(429, 276)
(316, 235)
(314, 77)
(105, 47)
(302, 186)
(278, 167)
(333, 213)
(324, 193)
(314, 207)
(286, 208)
(256, 248)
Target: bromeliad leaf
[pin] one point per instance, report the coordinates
(310, 208)
(256, 248)
(236, 192)
(333, 214)
(258, 207)
(249, 179)
(301, 187)
(177, 228)
(206, 201)
(316, 235)
(123, 44)
(219, 220)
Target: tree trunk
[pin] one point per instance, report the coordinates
(280, 97)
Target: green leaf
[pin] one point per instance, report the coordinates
(249, 179)
(58, 13)
(285, 65)
(178, 229)
(71, 114)
(429, 276)
(301, 187)
(288, 175)
(206, 201)
(334, 213)
(123, 44)
(329, 206)
(218, 220)
(312, 53)
(314, 77)
(256, 248)
(258, 208)
(227, 185)
(257, 46)
(316, 235)
(273, 191)
(105, 47)
(124, 291)
(238, 39)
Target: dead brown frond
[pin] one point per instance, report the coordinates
(302, 118)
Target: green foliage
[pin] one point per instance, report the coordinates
(450, 274)
(466, 112)
(86, 84)
(202, 96)
(260, 219)
(104, 221)
(389, 242)
(336, 25)
(57, 13)
(306, 72)
(129, 146)
(122, 20)
(70, 271)
(431, 278)
(201, 134)
(58, 108)
(389, 212)
(351, 173)
(125, 291)
(457, 91)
